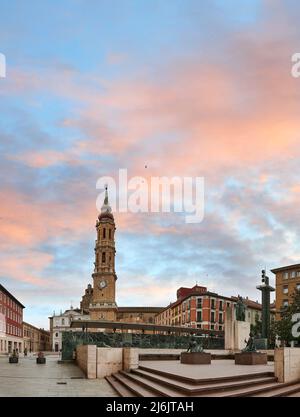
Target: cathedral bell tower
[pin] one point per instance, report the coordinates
(103, 305)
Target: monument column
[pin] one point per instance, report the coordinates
(265, 289)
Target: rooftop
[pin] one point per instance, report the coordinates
(285, 268)
(10, 296)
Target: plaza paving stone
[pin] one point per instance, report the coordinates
(27, 379)
(217, 369)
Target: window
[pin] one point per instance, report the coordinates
(220, 327)
(212, 316)
(221, 305)
(56, 334)
(298, 273)
(212, 327)
(104, 233)
(213, 303)
(103, 257)
(286, 275)
(221, 318)
(285, 303)
(199, 316)
(228, 304)
(293, 274)
(199, 302)
(298, 287)
(62, 321)
(285, 289)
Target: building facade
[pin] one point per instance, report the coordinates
(11, 319)
(199, 308)
(196, 307)
(35, 339)
(138, 314)
(61, 323)
(287, 282)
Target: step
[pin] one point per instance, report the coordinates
(283, 391)
(244, 392)
(156, 388)
(121, 389)
(295, 394)
(264, 390)
(191, 389)
(206, 380)
(135, 387)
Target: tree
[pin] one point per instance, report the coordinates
(283, 327)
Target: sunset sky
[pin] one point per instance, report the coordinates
(184, 87)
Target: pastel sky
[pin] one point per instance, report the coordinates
(186, 87)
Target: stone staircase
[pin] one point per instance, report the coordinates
(147, 382)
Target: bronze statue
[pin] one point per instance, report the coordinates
(240, 309)
(194, 346)
(250, 344)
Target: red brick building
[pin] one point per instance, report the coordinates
(196, 307)
(199, 308)
(11, 319)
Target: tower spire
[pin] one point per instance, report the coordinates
(106, 207)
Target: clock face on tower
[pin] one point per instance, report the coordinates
(102, 284)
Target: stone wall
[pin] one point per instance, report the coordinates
(86, 356)
(287, 364)
(130, 358)
(109, 361)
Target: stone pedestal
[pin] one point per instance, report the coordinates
(251, 358)
(241, 333)
(235, 333)
(195, 358)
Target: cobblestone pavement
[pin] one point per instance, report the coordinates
(27, 379)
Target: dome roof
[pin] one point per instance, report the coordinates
(105, 215)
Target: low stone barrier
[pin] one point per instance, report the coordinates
(130, 358)
(86, 358)
(287, 364)
(98, 362)
(109, 361)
